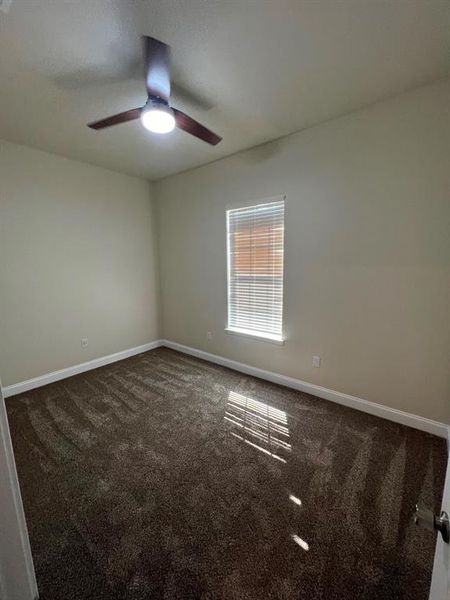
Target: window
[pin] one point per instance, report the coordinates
(255, 249)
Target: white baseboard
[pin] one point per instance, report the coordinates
(29, 384)
(379, 410)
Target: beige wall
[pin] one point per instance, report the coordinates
(367, 276)
(77, 259)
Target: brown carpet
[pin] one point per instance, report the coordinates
(167, 477)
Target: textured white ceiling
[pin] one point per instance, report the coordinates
(259, 69)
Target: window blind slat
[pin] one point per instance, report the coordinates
(255, 268)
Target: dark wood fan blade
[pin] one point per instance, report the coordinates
(193, 127)
(128, 115)
(157, 68)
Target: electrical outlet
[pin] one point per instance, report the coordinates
(209, 335)
(84, 342)
(316, 361)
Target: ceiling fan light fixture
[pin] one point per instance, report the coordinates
(158, 118)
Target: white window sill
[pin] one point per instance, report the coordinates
(262, 337)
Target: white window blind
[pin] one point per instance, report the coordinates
(255, 246)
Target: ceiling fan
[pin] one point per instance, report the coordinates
(157, 115)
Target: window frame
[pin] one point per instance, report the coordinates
(248, 333)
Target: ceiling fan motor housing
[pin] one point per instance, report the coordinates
(155, 102)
